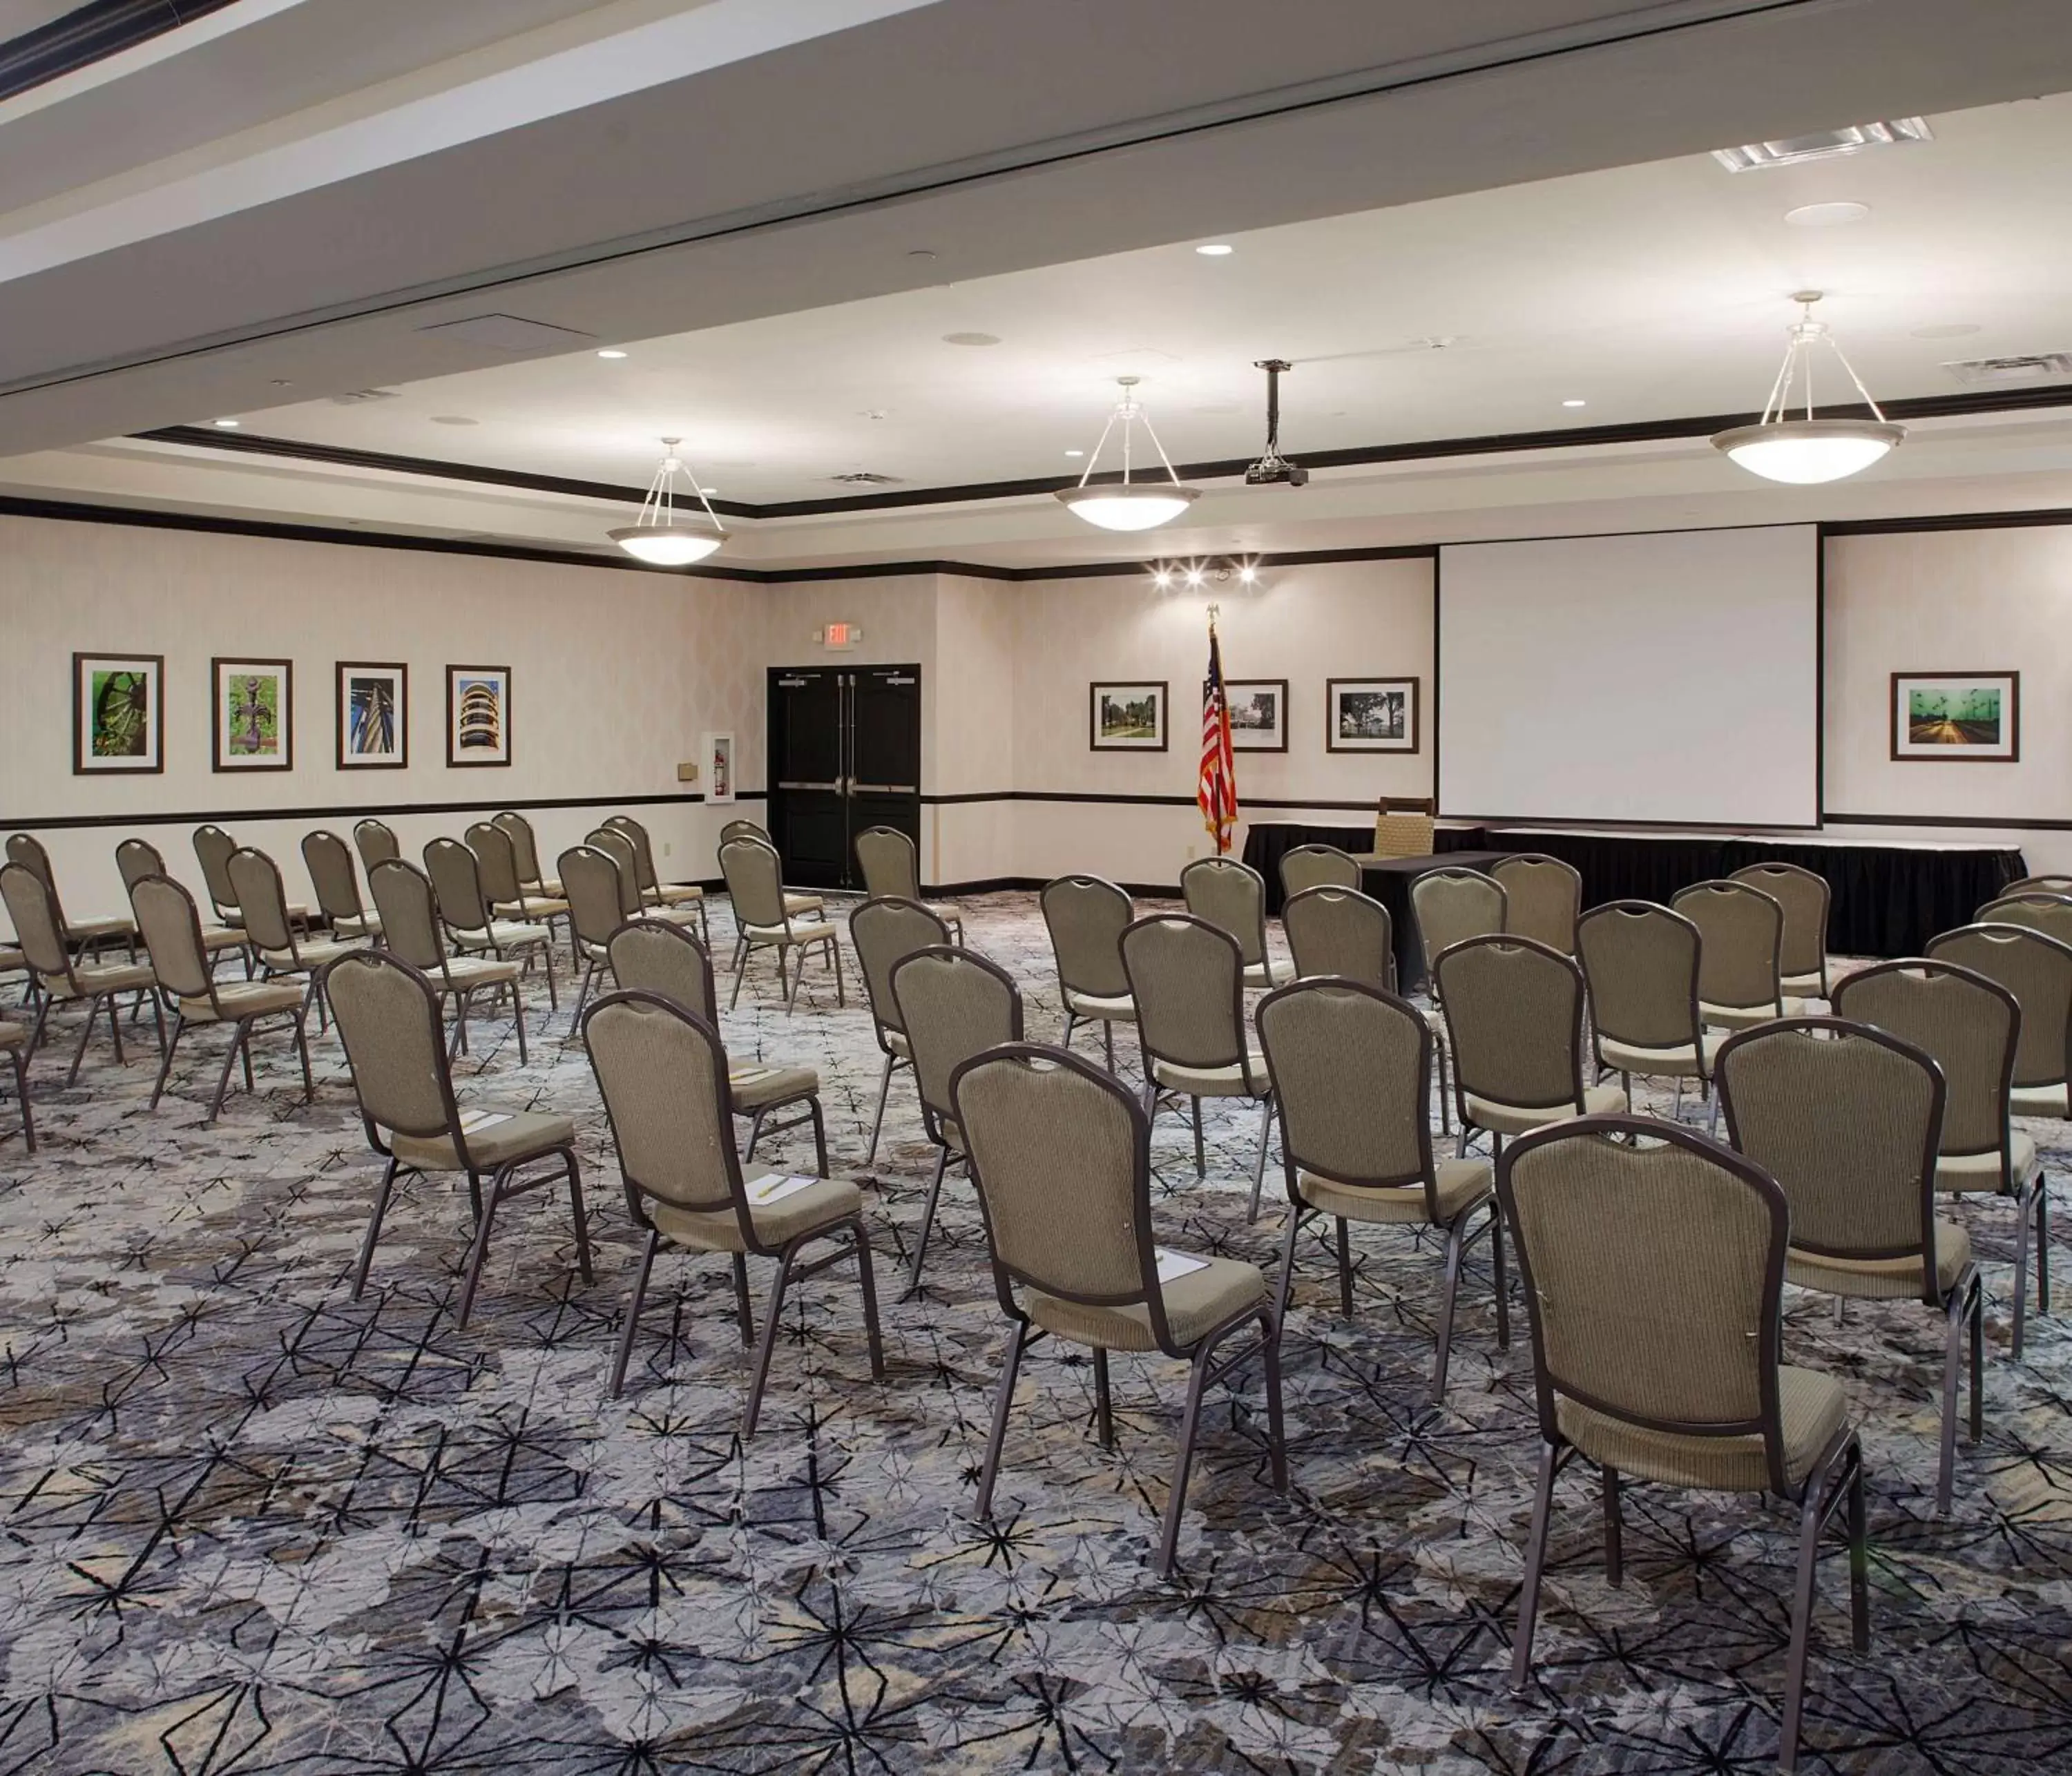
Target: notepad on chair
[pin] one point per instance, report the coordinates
(1172, 1266)
(473, 1122)
(764, 1191)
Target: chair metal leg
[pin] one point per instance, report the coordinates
(22, 1091)
(866, 1278)
(1276, 1428)
(1259, 1160)
(553, 993)
(754, 1134)
(43, 1004)
(1536, 1561)
(1860, 1555)
(93, 1011)
(1615, 1530)
(1107, 1041)
(303, 1049)
(884, 1093)
(798, 976)
(834, 955)
(2042, 1244)
(928, 1219)
(820, 1135)
(1345, 1267)
(1500, 1276)
(581, 1220)
(1811, 1518)
(1445, 1092)
(1104, 1406)
(479, 1255)
(1296, 1215)
(457, 1044)
(373, 1229)
(1168, 1541)
(1071, 1023)
(625, 1332)
(744, 1309)
(1953, 1316)
(1977, 1317)
(165, 1066)
(1201, 1157)
(762, 1371)
(583, 995)
(1449, 1290)
(222, 1078)
(1017, 1338)
(2022, 1221)
(244, 1050)
(740, 971)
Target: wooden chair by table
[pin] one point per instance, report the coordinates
(171, 927)
(891, 865)
(2037, 970)
(1847, 1120)
(137, 858)
(376, 840)
(1352, 1068)
(952, 1004)
(255, 880)
(1231, 896)
(1543, 898)
(1341, 932)
(1806, 900)
(1641, 961)
(15, 1045)
(1514, 1008)
(213, 848)
(1741, 976)
(1404, 826)
(1449, 906)
(408, 906)
(328, 858)
(1317, 866)
(763, 920)
(1060, 1155)
(662, 1070)
(472, 928)
(885, 933)
(649, 957)
(388, 1019)
(1972, 1025)
(1187, 979)
(1654, 1263)
(87, 935)
(59, 980)
(2048, 914)
(654, 891)
(1086, 917)
(526, 854)
(496, 857)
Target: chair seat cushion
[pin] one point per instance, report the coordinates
(1804, 986)
(116, 977)
(823, 1204)
(1511, 1119)
(2040, 1100)
(467, 972)
(1981, 1171)
(221, 937)
(1195, 1305)
(947, 913)
(1882, 1278)
(1679, 1063)
(10, 960)
(551, 887)
(311, 956)
(1747, 1016)
(818, 932)
(896, 1041)
(13, 1035)
(1810, 1405)
(527, 1134)
(298, 915)
(1268, 973)
(1214, 1082)
(532, 908)
(1121, 1007)
(754, 1086)
(1463, 1184)
(795, 904)
(86, 930)
(504, 934)
(670, 893)
(245, 999)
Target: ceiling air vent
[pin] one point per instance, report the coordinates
(359, 396)
(866, 478)
(1823, 145)
(1991, 372)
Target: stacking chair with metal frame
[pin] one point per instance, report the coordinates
(171, 927)
(1309, 867)
(662, 1070)
(1060, 1156)
(328, 858)
(649, 957)
(496, 857)
(1231, 896)
(1641, 962)
(213, 849)
(1341, 932)
(408, 906)
(2048, 914)
(388, 1020)
(1543, 898)
(740, 827)
(2037, 970)
(595, 888)
(137, 858)
(618, 845)
(1187, 979)
(1515, 1010)
(797, 902)
(525, 856)
(952, 1004)
(1352, 1069)
(1973, 1027)
(1450, 905)
(471, 928)
(1847, 1120)
(40, 931)
(376, 842)
(1086, 917)
(1741, 931)
(1805, 899)
(1654, 1262)
(763, 919)
(255, 879)
(2037, 885)
(891, 864)
(15, 1045)
(885, 932)
(654, 892)
(85, 935)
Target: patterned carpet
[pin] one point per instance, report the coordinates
(248, 1525)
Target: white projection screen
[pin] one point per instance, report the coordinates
(1672, 677)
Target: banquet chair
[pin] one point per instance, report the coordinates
(649, 957)
(891, 865)
(662, 1071)
(1973, 1027)
(1543, 898)
(2037, 885)
(1341, 931)
(797, 903)
(472, 928)
(1352, 1068)
(59, 979)
(618, 845)
(1640, 963)
(1448, 906)
(1086, 917)
(1317, 866)
(496, 857)
(85, 934)
(594, 887)
(1187, 977)
(1517, 1031)
(763, 919)
(15, 1045)
(1805, 900)
(255, 880)
(213, 849)
(1060, 1156)
(2037, 970)
(388, 1020)
(885, 933)
(328, 858)
(183, 969)
(1848, 1119)
(653, 890)
(740, 827)
(408, 906)
(1231, 896)
(2048, 914)
(1740, 933)
(525, 858)
(1667, 1254)
(375, 842)
(137, 858)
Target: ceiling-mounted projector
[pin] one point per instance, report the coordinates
(1273, 469)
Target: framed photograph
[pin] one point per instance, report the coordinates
(373, 715)
(478, 715)
(1258, 713)
(252, 714)
(718, 750)
(1975, 716)
(1370, 715)
(119, 712)
(1128, 718)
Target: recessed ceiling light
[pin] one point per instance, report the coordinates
(1216, 249)
(1075, 452)
(971, 338)
(454, 419)
(1827, 216)
(611, 352)
(1575, 401)
(230, 425)
(708, 492)
(1947, 330)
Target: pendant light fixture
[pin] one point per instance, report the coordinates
(1128, 504)
(1809, 449)
(664, 535)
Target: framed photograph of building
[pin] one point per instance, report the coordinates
(373, 715)
(118, 713)
(1258, 713)
(1370, 715)
(1128, 718)
(1969, 716)
(478, 715)
(252, 714)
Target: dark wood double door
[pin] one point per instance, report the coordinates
(845, 756)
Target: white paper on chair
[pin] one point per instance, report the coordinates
(764, 1191)
(1172, 1266)
(473, 1122)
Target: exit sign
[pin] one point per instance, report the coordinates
(839, 637)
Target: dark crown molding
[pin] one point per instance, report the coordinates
(88, 34)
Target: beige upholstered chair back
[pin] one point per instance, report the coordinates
(33, 911)
(404, 897)
(952, 1004)
(2037, 970)
(754, 881)
(1642, 963)
(1968, 1023)
(891, 863)
(1338, 930)
(1186, 976)
(741, 829)
(457, 883)
(1654, 1272)
(643, 849)
(376, 840)
(256, 891)
(1403, 829)
(1230, 896)
(1058, 1153)
(1805, 898)
(615, 845)
(1317, 866)
(1086, 917)
(1542, 899)
(1740, 931)
(2048, 914)
(1515, 1018)
(1846, 1119)
(591, 881)
(1352, 1067)
(496, 861)
(884, 932)
(387, 1017)
(328, 858)
(137, 858)
(649, 956)
(662, 1074)
(525, 844)
(170, 927)
(1452, 906)
(2036, 885)
(27, 850)
(212, 849)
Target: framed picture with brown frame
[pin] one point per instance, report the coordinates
(1972, 717)
(1128, 716)
(478, 715)
(118, 713)
(252, 714)
(1370, 715)
(1258, 713)
(373, 715)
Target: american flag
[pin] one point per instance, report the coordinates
(1215, 790)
